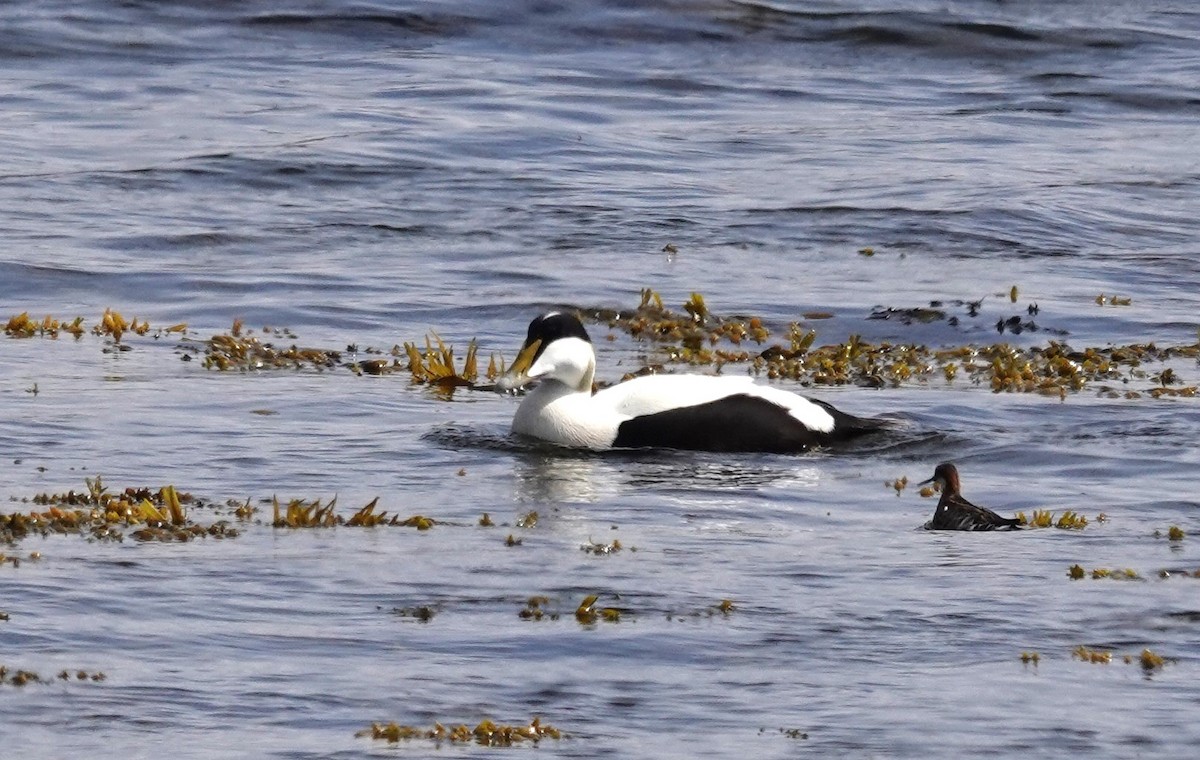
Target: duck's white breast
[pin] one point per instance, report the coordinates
(554, 413)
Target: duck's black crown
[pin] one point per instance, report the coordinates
(553, 325)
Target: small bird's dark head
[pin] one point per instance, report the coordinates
(946, 476)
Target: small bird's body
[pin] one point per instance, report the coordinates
(956, 513)
(697, 412)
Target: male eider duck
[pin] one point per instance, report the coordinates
(956, 513)
(697, 412)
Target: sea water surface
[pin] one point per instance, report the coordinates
(365, 174)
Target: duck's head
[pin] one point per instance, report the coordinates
(556, 348)
(946, 476)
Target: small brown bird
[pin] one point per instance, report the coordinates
(956, 513)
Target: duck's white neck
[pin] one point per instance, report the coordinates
(559, 413)
(570, 362)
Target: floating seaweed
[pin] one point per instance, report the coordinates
(100, 515)
(244, 511)
(367, 517)
(219, 529)
(22, 677)
(601, 549)
(420, 522)
(374, 366)
(1076, 572)
(299, 513)
(907, 316)
(1125, 574)
(1147, 659)
(435, 365)
(22, 326)
(696, 307)
(536, 609)
(421, 613)
(19, 677)
(790, 732)
(1167, 572)
(528, 520)
(245, 352)
(15, 561)
(696, 330)
(1054, 369)
(723, 608)
(485, 733)
(899, 484)
(113, 324)
(1042, 518)
(588, 613)
(1095, 656)
(1188, 391)
(695, 335)
(82, 675)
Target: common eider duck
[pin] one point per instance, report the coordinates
(697, 412)
(956, 513)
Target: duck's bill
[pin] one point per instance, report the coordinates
(517, 376)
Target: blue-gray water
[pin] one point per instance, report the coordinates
(366, 173)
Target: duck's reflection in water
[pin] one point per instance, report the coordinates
(570, 477)
(563, 478)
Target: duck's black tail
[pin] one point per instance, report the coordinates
(847, 427)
